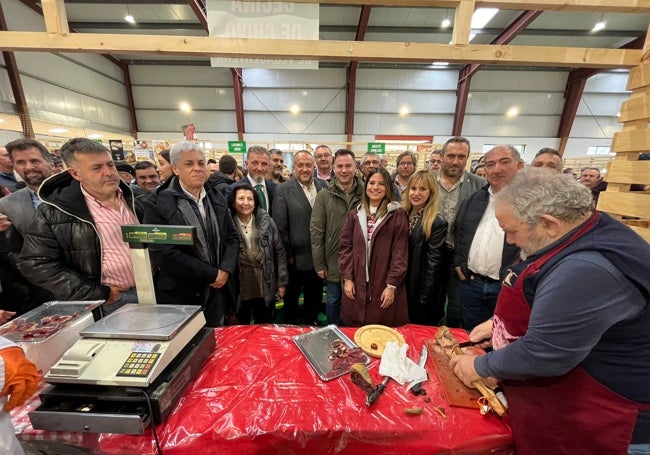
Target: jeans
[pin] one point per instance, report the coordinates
(128, 296)
(639, 449)
(478, 298)
(333, 303)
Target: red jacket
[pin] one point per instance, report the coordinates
(387, 261)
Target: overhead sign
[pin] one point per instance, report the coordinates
(237, 146)
(264, 20)
(377, 147)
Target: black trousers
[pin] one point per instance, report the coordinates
(312, 286)
(450, 292)
(261, 313)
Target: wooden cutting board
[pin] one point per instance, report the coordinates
(457, 393)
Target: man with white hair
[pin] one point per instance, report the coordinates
(570, 330)
(199, 273)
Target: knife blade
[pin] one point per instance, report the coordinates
(370, 399)
(465, 344)
(415, 388)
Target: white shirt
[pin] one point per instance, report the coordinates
(309, 193)
(199, 202)
(253, 183)
(487, 246)
(247, 230)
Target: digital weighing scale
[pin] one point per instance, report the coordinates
(131, 367)
(137, 354)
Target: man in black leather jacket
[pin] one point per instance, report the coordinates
(72, 248)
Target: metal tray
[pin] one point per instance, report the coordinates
(53, 308)
(315, 346)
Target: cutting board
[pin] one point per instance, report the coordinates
(457, 393)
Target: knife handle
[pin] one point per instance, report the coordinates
(370, 400)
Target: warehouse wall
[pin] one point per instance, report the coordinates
(75, 89)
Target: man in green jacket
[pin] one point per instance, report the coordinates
(327, 217)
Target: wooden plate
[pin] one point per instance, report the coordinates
(365, 336)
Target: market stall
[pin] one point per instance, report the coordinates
(258, 394)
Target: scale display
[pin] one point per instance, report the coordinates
(129, 347)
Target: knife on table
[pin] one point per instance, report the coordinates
(415, 388)
(370, 399)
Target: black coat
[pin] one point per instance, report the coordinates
(467, 221)
(62, 250)
(182, 276)
(425, 275)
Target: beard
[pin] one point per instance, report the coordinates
(259, 179)
(34, 179)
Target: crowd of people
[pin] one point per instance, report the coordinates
(513, 254)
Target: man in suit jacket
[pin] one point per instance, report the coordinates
(33, 163)
(292, 212)
(257, 163)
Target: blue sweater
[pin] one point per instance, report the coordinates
(590, 307)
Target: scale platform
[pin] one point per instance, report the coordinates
(129, 347)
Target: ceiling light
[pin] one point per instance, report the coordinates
(1, 120)
(445, 23)
(294, 109)
(57, 130)
(440, 63)
(185, 107)
(404, 111)
(599, 26)
(512, 112)
(130, 19)
(618, 114)
(482, 16)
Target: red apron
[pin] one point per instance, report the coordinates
(571, 414)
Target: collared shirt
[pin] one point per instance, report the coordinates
(448, 206)
(310, 192)
(36, 201)
(326, 177)
(246, 230)
(200, 202)
(254, 184)
(117, 267)
(487, 246)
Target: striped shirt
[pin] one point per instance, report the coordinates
(117, 268)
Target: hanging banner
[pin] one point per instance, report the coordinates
(270, 20)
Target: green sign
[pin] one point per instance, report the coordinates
(377, 147)
(149, 233)
(237, 146)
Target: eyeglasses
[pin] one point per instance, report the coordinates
(370, 163)
(327, 155)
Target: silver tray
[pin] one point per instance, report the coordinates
(315, 346)
(11, 331)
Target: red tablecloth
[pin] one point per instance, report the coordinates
(257, 394)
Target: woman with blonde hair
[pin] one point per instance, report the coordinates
(372, 257)
(427, 232)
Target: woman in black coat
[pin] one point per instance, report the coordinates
(427, 231)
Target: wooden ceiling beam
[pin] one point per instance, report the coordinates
(576, 57)
(56, 19)
(463, 22)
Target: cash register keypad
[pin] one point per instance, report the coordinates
(139, 364)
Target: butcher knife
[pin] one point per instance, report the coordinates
(415, 388)
(370, 399)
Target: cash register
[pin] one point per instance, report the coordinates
(128, 369)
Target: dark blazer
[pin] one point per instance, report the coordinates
(425, 275)
(467, 221)
(292, 213)
(18, 294)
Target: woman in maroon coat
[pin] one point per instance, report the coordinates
(373, 254)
